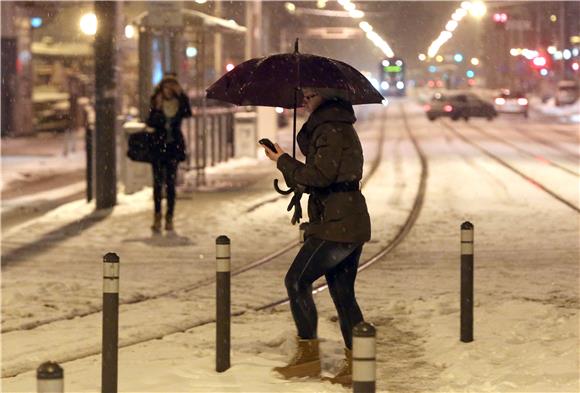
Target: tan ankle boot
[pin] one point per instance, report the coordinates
(344, 375)
(156, 227)
(305, 363)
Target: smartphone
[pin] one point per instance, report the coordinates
(268, 143)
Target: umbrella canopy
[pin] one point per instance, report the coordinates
(273, 81)
(277, 81)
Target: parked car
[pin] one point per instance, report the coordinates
(509, 101)
(567, 93)
(459, 106)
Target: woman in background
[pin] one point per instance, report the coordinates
(169, 106)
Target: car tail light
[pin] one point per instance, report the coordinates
(522, 101)
(500, 101)
(447, 108)
(427, 107)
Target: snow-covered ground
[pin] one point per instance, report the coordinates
(526, 277)
(566, 113)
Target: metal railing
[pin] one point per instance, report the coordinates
(210, 137)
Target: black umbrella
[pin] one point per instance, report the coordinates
(277, 81)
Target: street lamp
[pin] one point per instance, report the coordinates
(88, 24)
(478, 9)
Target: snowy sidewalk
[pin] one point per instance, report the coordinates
(526, 310)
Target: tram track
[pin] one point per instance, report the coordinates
(524, 151)
(574, 157)
(208, 280)
(505, 164)
(183, 327)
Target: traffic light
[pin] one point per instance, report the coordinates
(500, 20)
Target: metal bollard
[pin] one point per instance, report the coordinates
(49, 378)
(364, 358)
(466, 314)
(222, 360)
(110, 323)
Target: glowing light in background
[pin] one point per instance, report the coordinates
(475, 61)
(376, 39)
(191, 51)
(88, 24)
(129, 31)
(230, 67)
(36, 22)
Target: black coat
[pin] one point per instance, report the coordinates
(333, 155)
(175, 150)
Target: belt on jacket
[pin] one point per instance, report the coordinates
(347, 186)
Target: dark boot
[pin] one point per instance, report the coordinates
(168, 223)
(156, 227)
(305, 363)
(344, 375)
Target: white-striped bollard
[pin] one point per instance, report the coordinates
(364, 358)
(49, 378)
(466, 314)
(110, 323)
(223, 303)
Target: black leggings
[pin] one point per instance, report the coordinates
(338, 262)
(164, 172)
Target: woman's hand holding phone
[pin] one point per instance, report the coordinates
(273, 151)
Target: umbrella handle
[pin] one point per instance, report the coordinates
(279, 190)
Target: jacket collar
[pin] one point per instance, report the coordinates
(332, 111)
(328, 112)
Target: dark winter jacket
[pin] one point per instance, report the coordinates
(172, 146)
(333, 155)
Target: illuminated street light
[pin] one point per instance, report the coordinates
(478, 9)
(451, 25)
(365, 27)
(88, 24)
(356, 14)
(553, 18)
(422, 57)
(191, 51)
(543, 72)
(321, 3)
(475, 61)
(439, 58)
(575, 66)
(290, 7)
(458, 57)
(129, 31)
(552, 49)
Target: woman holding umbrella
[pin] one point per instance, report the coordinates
(339, 224)
(169, 106)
